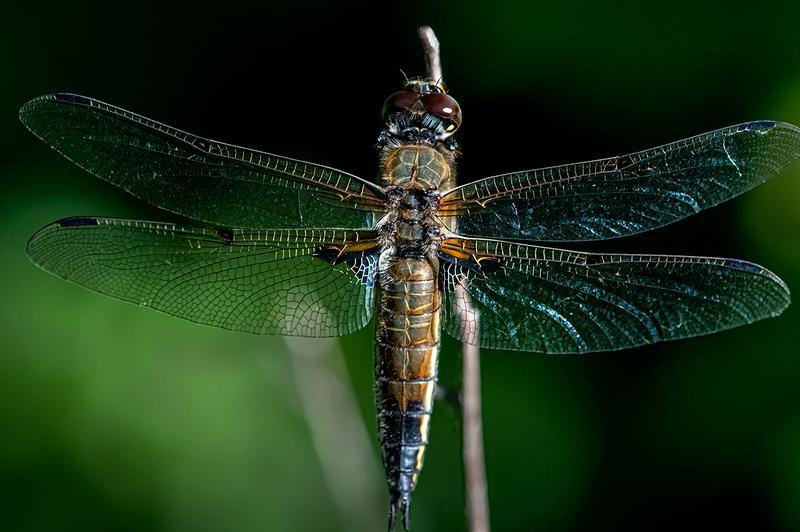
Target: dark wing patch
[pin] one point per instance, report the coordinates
(226, 234)
(77, 221)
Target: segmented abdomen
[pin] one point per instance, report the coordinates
(405, 369)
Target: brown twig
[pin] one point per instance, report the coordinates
(475, 484)
(433, 63)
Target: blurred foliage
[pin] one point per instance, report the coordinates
(114, 417)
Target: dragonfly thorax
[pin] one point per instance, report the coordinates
(411, 227)
(415, 166)
(414, 176)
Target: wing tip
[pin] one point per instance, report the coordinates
(785, 125)
(782, 290)
(765, 126)
(762, 126)
(53, 97)
(70, 221)
(29, 111)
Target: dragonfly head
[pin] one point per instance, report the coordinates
(422, 113)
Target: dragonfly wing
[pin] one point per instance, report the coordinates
(624, 195)
(291, 282)
(532, 298)
(199, 178)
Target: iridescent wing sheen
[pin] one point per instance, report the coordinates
(299, 282)
(199, 178)
(532, 298)
(624, 195)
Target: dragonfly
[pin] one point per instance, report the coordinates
(280, 246)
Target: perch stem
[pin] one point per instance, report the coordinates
(475, 483)
(430, 44)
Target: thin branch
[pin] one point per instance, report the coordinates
(476, 486)
(433, 63)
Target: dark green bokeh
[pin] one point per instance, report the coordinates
(114, 417)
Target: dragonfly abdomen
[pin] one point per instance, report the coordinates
(405, 370)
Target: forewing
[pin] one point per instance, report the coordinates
(624, 195)
(199, 178)
(291, 282)
(532, 298)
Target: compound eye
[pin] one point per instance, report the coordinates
(399, 102)
(445, 107)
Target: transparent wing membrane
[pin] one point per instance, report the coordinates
(624, 195)
(532, 298)
(199, 178)
(292, 282)
(321, 282)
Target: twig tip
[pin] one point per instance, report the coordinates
(430, 44)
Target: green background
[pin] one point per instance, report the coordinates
(114, 417)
